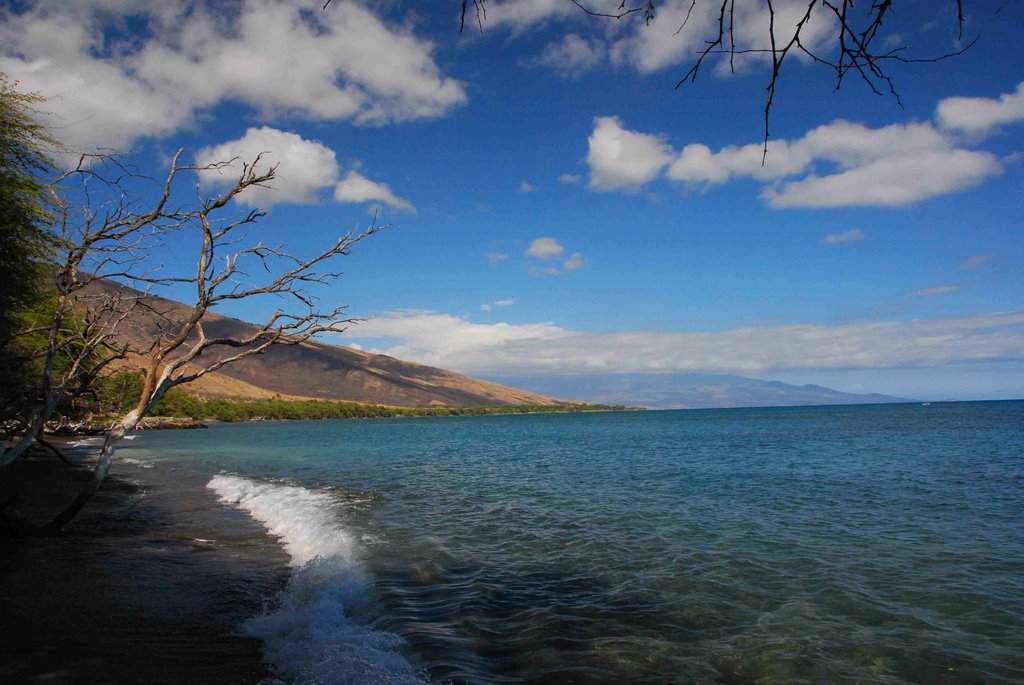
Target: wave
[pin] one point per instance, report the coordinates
(314, 633)
(137, 462)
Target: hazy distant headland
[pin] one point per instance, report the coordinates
(686, 390)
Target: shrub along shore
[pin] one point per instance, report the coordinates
(183, 405)
(114, 395)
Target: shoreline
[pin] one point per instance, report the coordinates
(141, 587)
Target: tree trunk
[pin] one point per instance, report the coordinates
(34, 430)
(130, 420)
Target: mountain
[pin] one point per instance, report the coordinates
(687, 390)
(315, 369)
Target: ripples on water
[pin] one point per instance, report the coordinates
(865, 544)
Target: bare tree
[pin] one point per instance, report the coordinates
(116, 242)
(858, 45)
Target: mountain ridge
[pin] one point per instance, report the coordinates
(314, 369)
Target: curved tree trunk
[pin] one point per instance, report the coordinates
(32, 432)
(126, 424)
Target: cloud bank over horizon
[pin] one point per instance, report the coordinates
(453, 342)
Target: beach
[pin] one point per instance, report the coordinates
(130, 592)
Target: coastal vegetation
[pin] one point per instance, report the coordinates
(178, 403)
(115, 394)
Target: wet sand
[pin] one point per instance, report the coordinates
(151, 583)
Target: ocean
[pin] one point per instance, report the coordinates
(855, 544)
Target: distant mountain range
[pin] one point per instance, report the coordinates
(686, 390)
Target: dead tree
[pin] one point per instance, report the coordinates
(92, 243)
(117, 244)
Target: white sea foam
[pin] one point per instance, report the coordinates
(137, 462)
(314, 634)
(85, 442)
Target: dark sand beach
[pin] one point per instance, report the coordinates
(139, 588)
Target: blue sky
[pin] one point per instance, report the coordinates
(556, 205)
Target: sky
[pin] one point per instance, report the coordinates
(557, 205)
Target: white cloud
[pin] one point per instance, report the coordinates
(430, 337)
(357, 188)
(345, 63)
(572, 56)
(681, 29)
(545, 248)
(526, 187)
(521, 14)
(976, 261)
(841, 164)
(981, 115)
(851, 236)
(621, 159)
(697, 163)
(495, 257)
(304, 167)
(455, 343)
(569, 179)
(850, 144)
(890, 181)
(485, 307)
(574, 262)
(935, 290)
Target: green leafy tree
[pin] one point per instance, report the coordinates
(25, 245)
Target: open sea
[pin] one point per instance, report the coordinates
(857, 544)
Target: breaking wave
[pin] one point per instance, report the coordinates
(316, 632)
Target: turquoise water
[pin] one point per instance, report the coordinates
(829, 544)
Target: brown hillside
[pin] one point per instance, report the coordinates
(322, 371)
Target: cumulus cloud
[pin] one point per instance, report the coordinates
(890, 181)
(304, 167)
(526, 187)
(980, 115)
(357, 188)
(976, 261)
(851, 236)
(569, 179)
(495, 257)
(697, 163)
(671, 37)
(840, 164)
(545, 248)
(624, 160)
(108, 90)
(456, 343)
(572, 56)
(521, 14)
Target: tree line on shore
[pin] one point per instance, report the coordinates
(114, 394)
